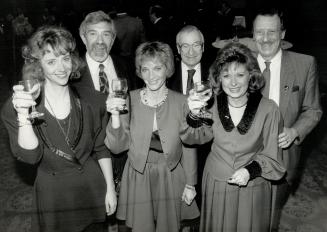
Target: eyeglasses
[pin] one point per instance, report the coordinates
(269, 33)
(186, 47)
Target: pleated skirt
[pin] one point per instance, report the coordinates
(151, 201)
(230, 208)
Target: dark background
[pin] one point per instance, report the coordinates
(305, 20)
(304, 17)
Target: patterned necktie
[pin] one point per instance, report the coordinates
(266, 74)
(104, 85)
(190, 74)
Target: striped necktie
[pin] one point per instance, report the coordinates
(103, 80)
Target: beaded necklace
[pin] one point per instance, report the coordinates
(145, 100)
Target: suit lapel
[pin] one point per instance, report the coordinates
(204, 72)
(287, 76)
(85, 80)
(176, 81)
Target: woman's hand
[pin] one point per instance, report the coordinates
(241, 177)
(195, 102)
(114, 104)
(111, 202)
(189, 194)
(22, 100)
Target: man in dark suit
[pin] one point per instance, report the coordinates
(190, 42)
(190, 47)
(98, 33)
(292, 82)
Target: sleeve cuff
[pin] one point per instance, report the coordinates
(254, 169)
(195, 122)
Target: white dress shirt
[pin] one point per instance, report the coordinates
(109, 69)
(275, 66)
(196, 77)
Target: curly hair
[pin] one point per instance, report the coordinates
(94, 18)
(59, 39)
(155, 50)
(241, 54)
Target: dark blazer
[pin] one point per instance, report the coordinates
(59, 180)
(121, 68)
(175, 82)
(299, 102)
(85, 81)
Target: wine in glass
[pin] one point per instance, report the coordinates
(119, 90)
(32, 86)
(202, 90)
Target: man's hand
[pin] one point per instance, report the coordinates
(287, 137)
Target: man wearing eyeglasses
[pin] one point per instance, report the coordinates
(188, 70)
(190, 47)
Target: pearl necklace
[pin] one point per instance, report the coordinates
(145, 98)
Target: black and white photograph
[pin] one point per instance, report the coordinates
(163, 116)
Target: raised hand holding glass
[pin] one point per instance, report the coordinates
(33, 87)
(203, 91)
(119, 90)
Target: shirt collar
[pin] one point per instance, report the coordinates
(94, 65)
(196, 67)
(274, 60)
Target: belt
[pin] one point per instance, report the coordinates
(66, 156)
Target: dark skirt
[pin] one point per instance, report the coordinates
(151, 201)
(69, 200)
(231, 208)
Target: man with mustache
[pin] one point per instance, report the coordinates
(98, 34)
(292, 82)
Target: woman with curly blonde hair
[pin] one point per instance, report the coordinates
(74, 187)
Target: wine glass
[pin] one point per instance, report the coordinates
(32, 86)
(119, 90)
(202, 90)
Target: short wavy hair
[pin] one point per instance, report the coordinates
(155, 50)
(59, 39)
(241, 54)
(188, 29)
(94, 18)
